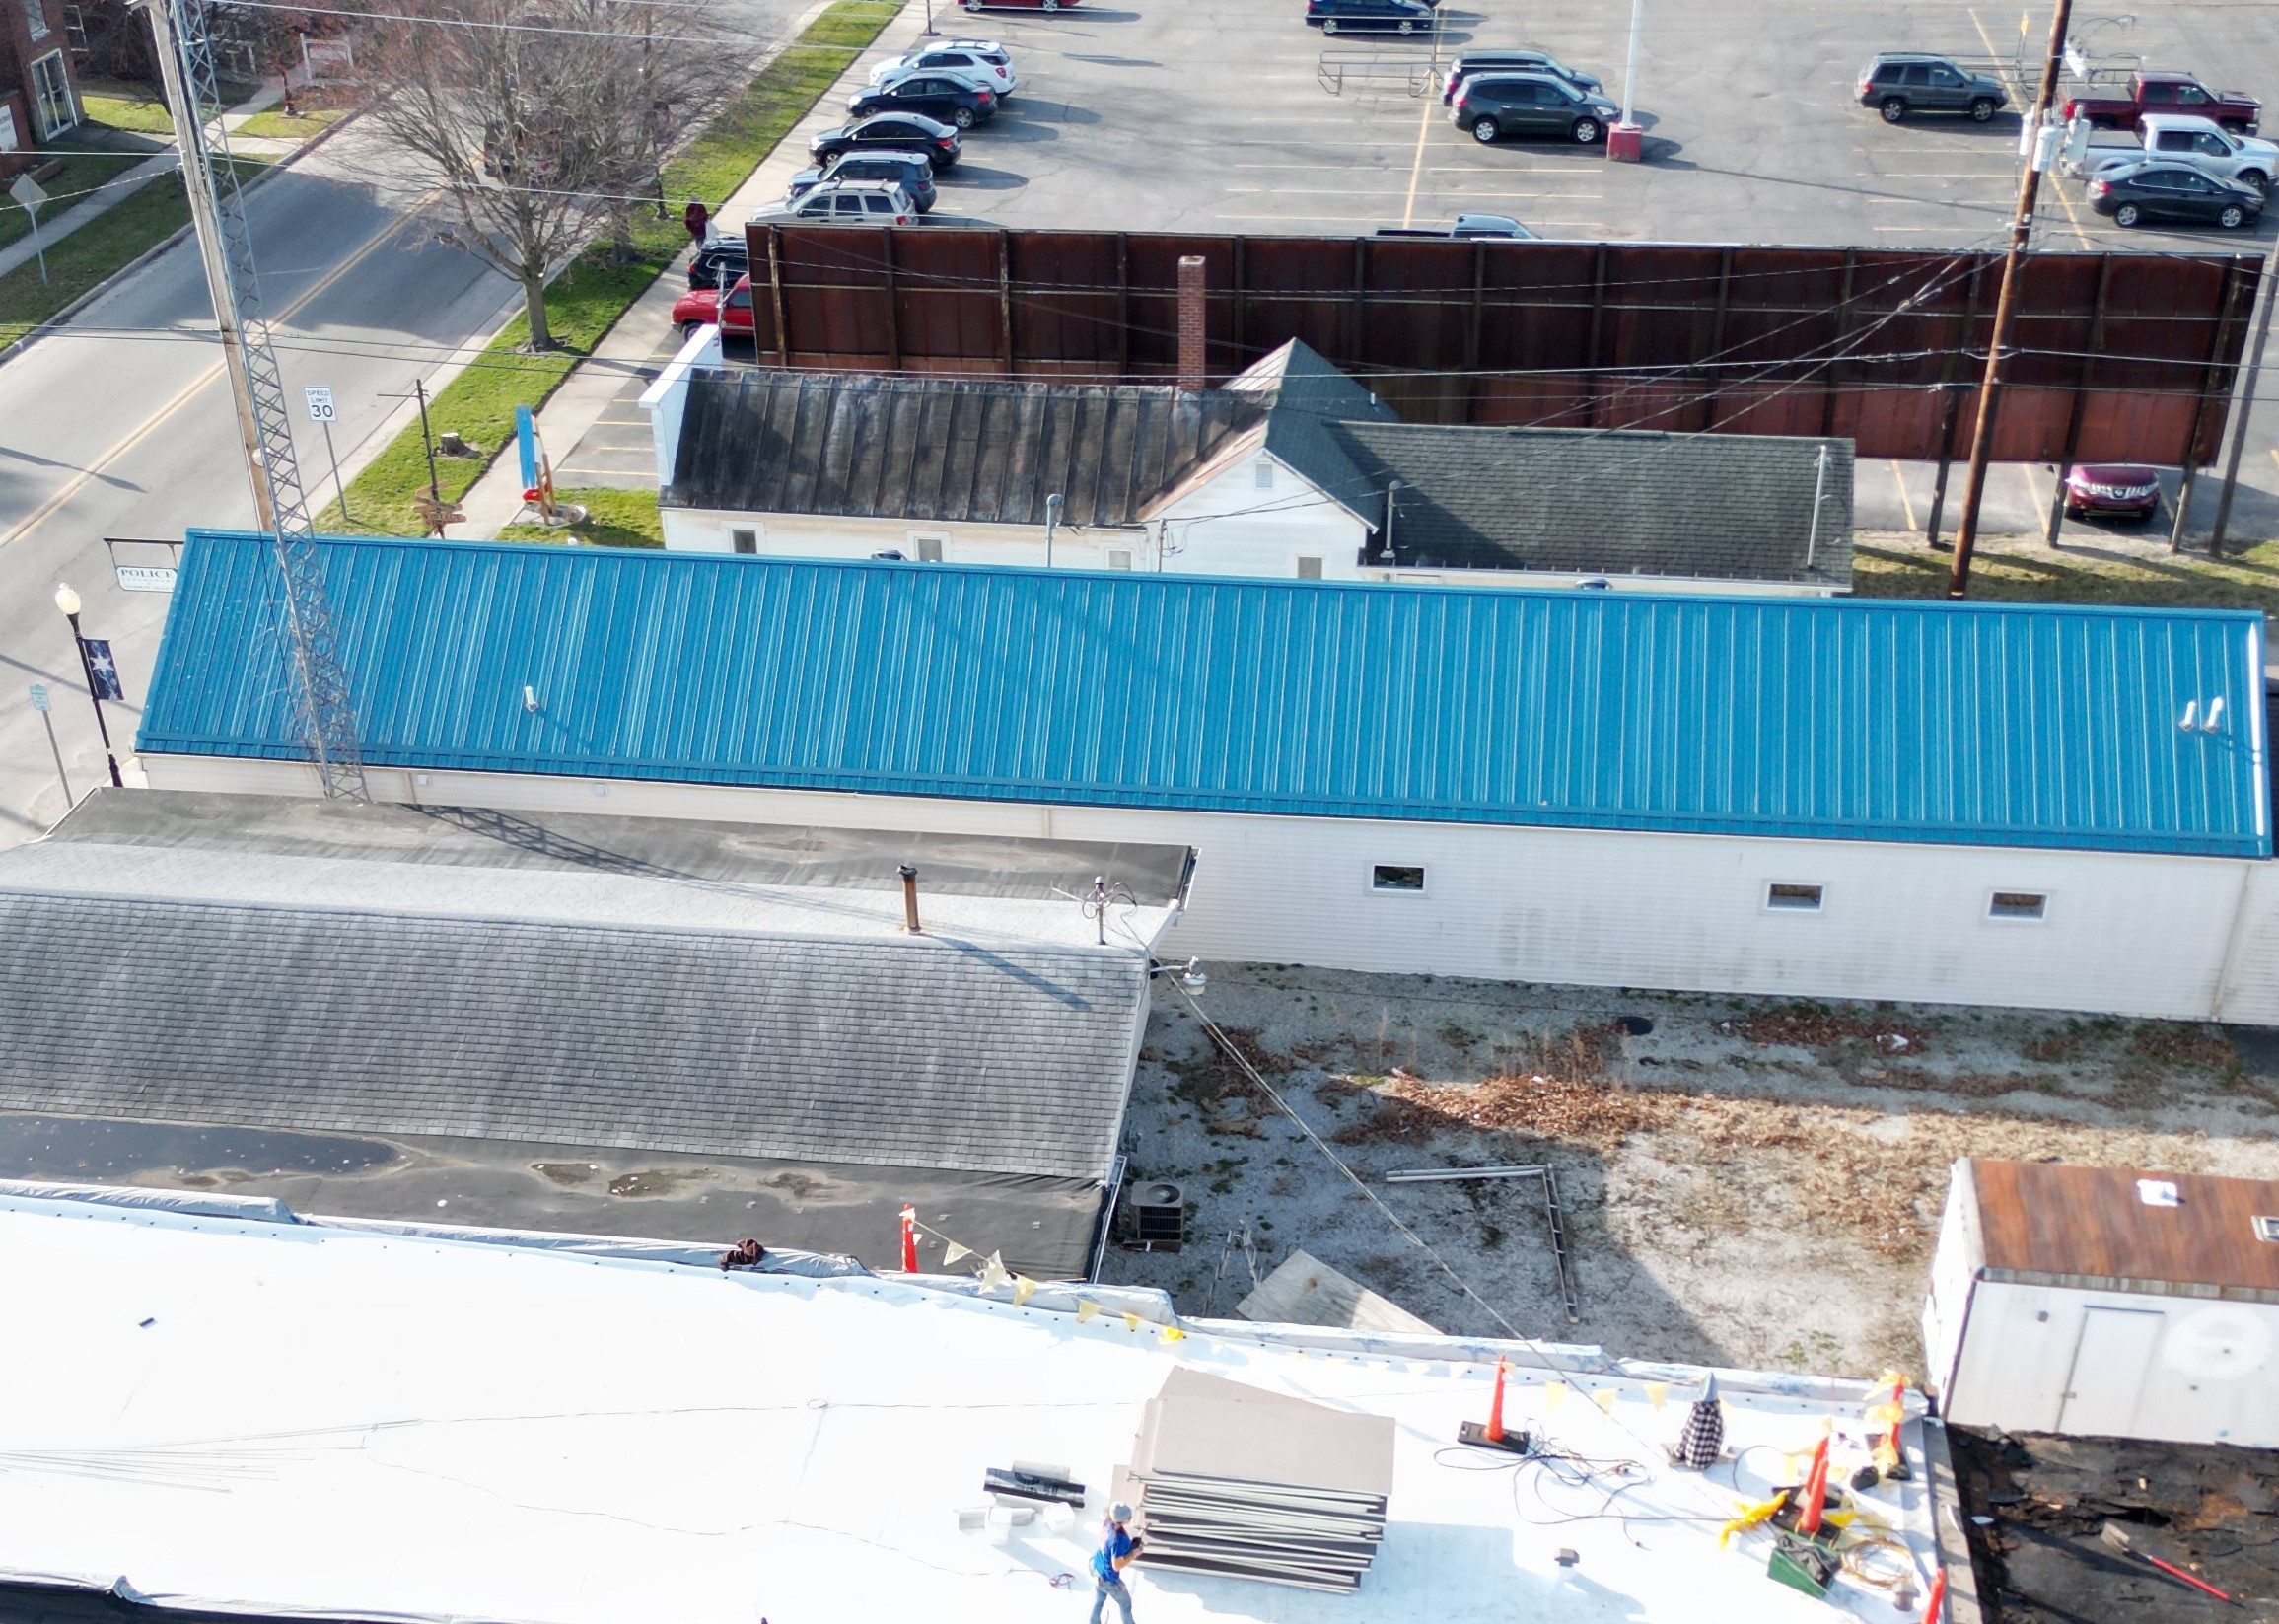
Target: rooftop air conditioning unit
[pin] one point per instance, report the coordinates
(1159, 1214)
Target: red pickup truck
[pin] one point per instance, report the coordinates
(2167, 92)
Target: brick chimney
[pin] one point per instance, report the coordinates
(1194, 366)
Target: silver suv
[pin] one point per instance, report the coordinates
(844, 203)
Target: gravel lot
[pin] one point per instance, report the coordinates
(1751, 1182)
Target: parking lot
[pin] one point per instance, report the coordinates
(1215, 116)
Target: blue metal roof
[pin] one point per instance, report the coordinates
(1981, 723)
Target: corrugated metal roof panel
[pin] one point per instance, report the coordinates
(1989, 723)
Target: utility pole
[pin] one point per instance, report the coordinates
(2013, 264)
(327, 707)
(2247, 404)
(189, 132)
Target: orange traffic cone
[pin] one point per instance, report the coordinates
(909, 1241)
(1938, 1599)
(1816, 1491)
(1492, 1435)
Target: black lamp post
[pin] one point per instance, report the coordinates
(68, 601)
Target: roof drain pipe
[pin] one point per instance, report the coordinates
(1391, 502)
(911, 899)
(1051, 524)
(1819, 484)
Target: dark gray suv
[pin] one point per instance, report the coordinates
(1492, 106)
(1898, 82)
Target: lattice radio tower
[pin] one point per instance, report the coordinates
(327, 711)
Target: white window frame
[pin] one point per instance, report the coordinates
(49, 129)
(919, 541)
(1262, 473)
(36, 20)
(1818, 906)
(1119, 558)
(1421, 889)
(751, 532)
(1302, 573)
(1995, 918)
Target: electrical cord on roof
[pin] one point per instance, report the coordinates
(1228, 1047)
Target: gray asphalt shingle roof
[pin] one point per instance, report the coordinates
(218, 986)
(942, 448)
(1598, 502)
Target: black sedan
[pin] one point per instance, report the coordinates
(718, 263)
(889, 132)
(2144, 192)
(936, 96)
(1378, 15)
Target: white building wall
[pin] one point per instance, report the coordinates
(1578, 907)
(2210, 1376)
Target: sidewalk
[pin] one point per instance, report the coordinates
(643, 340)
(55, 229)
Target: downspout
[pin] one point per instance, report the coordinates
(1820, 487)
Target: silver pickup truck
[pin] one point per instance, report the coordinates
(2200, 142)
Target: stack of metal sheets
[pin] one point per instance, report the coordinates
(1246, 1484)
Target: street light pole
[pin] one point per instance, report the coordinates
(68, 601)
(2013, 264)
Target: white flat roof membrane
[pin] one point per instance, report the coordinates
(277, 1419)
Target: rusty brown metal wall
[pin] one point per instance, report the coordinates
(2116, 355)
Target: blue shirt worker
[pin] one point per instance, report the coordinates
(1117, 1550)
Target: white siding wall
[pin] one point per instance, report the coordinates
(2211, 1377)
(1232, 525)
(666, 400)
(1685, 912)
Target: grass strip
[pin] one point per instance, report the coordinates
(97, 252)
(277, 125)
(2238, 581)
(601, 284)
(144, 115)
(613, 519)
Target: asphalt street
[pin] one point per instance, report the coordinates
(120, 425)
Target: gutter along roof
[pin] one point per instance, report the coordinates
(1973, 724)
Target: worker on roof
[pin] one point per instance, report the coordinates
(1118, 1547)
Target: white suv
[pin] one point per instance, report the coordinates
(2200, 142)
(843, 203)
(983, 62)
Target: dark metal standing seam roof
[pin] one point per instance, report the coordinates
(1729, 507)
(942, 449)
(2011, 725)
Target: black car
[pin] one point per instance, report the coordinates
(2140, 192)
(1899, 82)
(889, 131)
(1379, 16)
(1493, 105)
(719, 263)
(936, 96)
(910, 170)
(1474, 62)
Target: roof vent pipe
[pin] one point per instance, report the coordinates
(1194, 328)
(1820, 485)
(911, 899)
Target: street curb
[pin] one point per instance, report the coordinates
(171, 240)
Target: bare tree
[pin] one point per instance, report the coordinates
(541, 118)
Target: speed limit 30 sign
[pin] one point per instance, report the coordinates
(319, 405)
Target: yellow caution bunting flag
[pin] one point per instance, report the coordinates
(1604, 1397)
(1131, 1321)
(1171, 1333)
(994, 1273)
(1555, 1394)
(954, 1252)
(1086, 1311)
(1657, 1392)
(1023, 1289)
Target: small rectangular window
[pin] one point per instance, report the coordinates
(1405, 877)
(1118, 560)
(1264, 474)
(744, 540)
(927, 550)
(1793, 898)
(2267, 1229)
(2018, 905)
(1309, 569)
